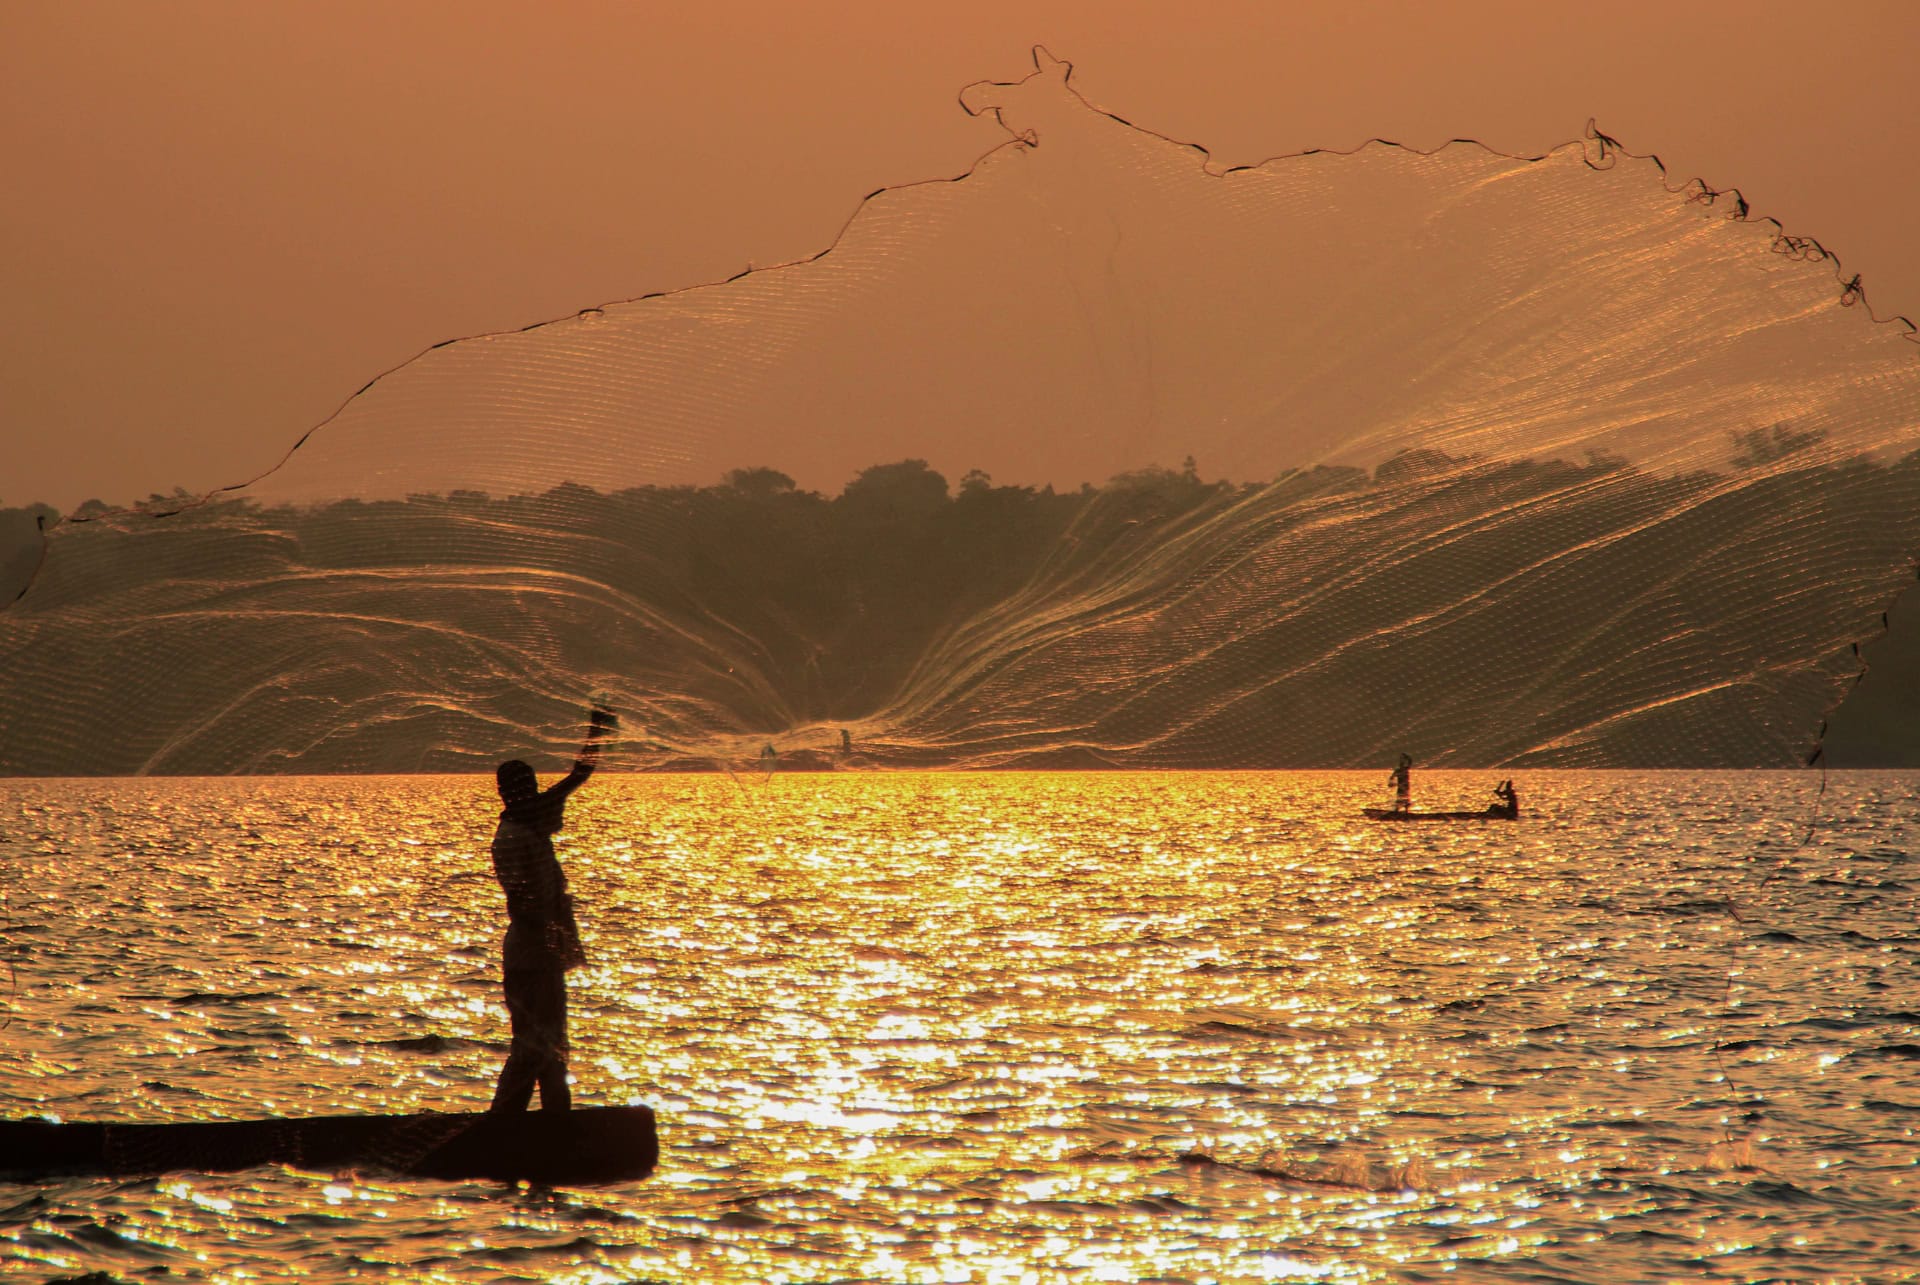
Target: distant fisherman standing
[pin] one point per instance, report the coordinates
(543, 942)
(1401, 779)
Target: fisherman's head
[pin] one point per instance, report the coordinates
(516, 781)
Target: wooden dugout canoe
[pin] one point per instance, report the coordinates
(1393, 814)
(579, 1147)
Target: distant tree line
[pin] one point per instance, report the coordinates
(897, 542)
(1207, 623)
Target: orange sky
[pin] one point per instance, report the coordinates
(222, 218)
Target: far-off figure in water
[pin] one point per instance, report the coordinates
(1401, 779)
(1506, 800)
(543, 942)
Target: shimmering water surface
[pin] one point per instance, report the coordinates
(1003, 1028)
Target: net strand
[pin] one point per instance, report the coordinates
(1432, 596)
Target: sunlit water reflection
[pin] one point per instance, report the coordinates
(1003, 1028)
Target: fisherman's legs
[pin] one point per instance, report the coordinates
(537, 1005)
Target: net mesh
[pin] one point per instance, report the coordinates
(1096, 455)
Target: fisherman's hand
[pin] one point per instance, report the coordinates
(603, 719)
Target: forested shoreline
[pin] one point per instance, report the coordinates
(1157, 620)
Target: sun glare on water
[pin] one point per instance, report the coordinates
(992, 1028)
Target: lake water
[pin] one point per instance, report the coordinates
(1003, 1028)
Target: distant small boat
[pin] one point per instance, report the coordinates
(590, 1145)
(1485, 814)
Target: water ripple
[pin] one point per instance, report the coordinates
(1007, 1027)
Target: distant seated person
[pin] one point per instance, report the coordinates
(543, 942)
(1506, 800)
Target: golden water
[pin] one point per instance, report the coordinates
(1002, 1028)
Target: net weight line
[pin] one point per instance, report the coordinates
(1740, 1149)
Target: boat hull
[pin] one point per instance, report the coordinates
(586, 1146)
(1392, 814)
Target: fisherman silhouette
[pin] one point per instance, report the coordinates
(543, 942)
(846, 741)
(1401, 779)
(1507, 802)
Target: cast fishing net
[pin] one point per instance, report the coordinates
(1095, 455)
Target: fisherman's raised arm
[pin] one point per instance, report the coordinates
(601, 724)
